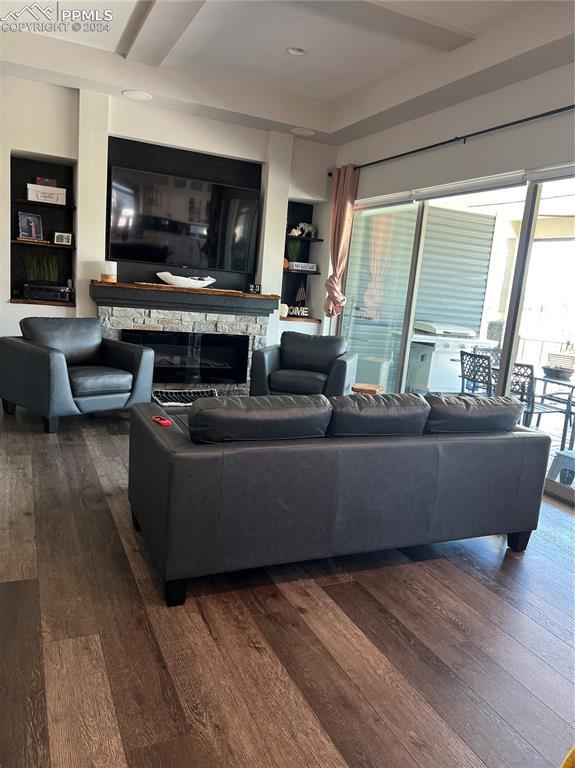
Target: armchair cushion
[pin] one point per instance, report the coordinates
(78, 338)
(98, 380)
(302, 352)
(298, 382)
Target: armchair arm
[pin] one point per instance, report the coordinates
(264, 362)
(136, 359)
(35, 377)
(342, 375)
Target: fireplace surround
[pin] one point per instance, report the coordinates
(199, 313)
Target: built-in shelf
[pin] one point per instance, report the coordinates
(23, 201)
(305, 239)
(32, 260)
(39, 244)
(44, 303)
(302, 272)
(299, 320)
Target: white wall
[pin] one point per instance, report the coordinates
(64, 123)
(311, 162)
(542, 143)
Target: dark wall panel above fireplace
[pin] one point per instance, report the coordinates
(181, 162)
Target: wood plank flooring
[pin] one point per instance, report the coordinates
(457, 655)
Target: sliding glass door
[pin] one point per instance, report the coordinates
(543, 372)
(376, 288)
(467, 261)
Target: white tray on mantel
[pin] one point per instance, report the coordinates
(185, 282)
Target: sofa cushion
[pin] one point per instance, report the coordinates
(79, 338)
(303, 352)
(296, 382)
(452, 413)
(98, 380)
(378, 415)
(283, 417)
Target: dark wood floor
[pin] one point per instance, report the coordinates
(458, 655)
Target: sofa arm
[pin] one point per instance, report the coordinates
(138, 360)
(342, 375)
(264, 362)
(174, 489)
(35, 377)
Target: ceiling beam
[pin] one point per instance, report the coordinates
(393, 20)
(155, 27)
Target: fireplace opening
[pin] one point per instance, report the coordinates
(195, 358)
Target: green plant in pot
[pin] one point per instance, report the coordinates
(41, 268)
(293, 250)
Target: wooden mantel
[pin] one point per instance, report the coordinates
(160, 296)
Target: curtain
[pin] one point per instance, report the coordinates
(345, 180)
(379, 253)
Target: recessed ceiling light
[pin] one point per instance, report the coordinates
(137, 95)
(302, 131)
(294, 51)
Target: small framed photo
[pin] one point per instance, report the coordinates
(30, 226)
(62, 238)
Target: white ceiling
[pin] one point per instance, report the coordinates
(247, 40)
(370, 64)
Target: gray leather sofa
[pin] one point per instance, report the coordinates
(303, 365)
(63, 367)
(249, 482)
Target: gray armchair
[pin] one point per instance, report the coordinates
(63, 367)
(303, 365)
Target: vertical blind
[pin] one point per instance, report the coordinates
(454, 267)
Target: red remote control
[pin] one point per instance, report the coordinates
(162, 421)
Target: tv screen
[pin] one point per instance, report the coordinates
(173, 220)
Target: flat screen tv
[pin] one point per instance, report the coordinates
(171, 220)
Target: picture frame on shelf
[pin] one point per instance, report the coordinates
(30, 227)
(62, 238)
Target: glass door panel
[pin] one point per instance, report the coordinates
(544, 370)
(467, 262)
(376, 289)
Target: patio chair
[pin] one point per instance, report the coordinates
(494, 354)
(476, 374)
(523, 387)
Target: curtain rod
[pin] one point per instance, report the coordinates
(466, 136)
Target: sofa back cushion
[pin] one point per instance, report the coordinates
(279, 417)
(451, 413)
(378, 415)
(79, 338)
(303, 352)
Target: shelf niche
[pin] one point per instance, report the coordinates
(54, 262)
(292, 279)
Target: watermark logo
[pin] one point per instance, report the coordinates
(35, 17)
(35, 11)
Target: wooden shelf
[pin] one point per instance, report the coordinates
(44, 303)
(22, 201)
(300, 272)
(299, 320)
(37, 244)
(305, 239)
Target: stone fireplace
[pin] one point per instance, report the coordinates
(189, 316)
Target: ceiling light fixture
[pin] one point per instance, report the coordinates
(294, 51)
(302, 131)
(137, 95)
